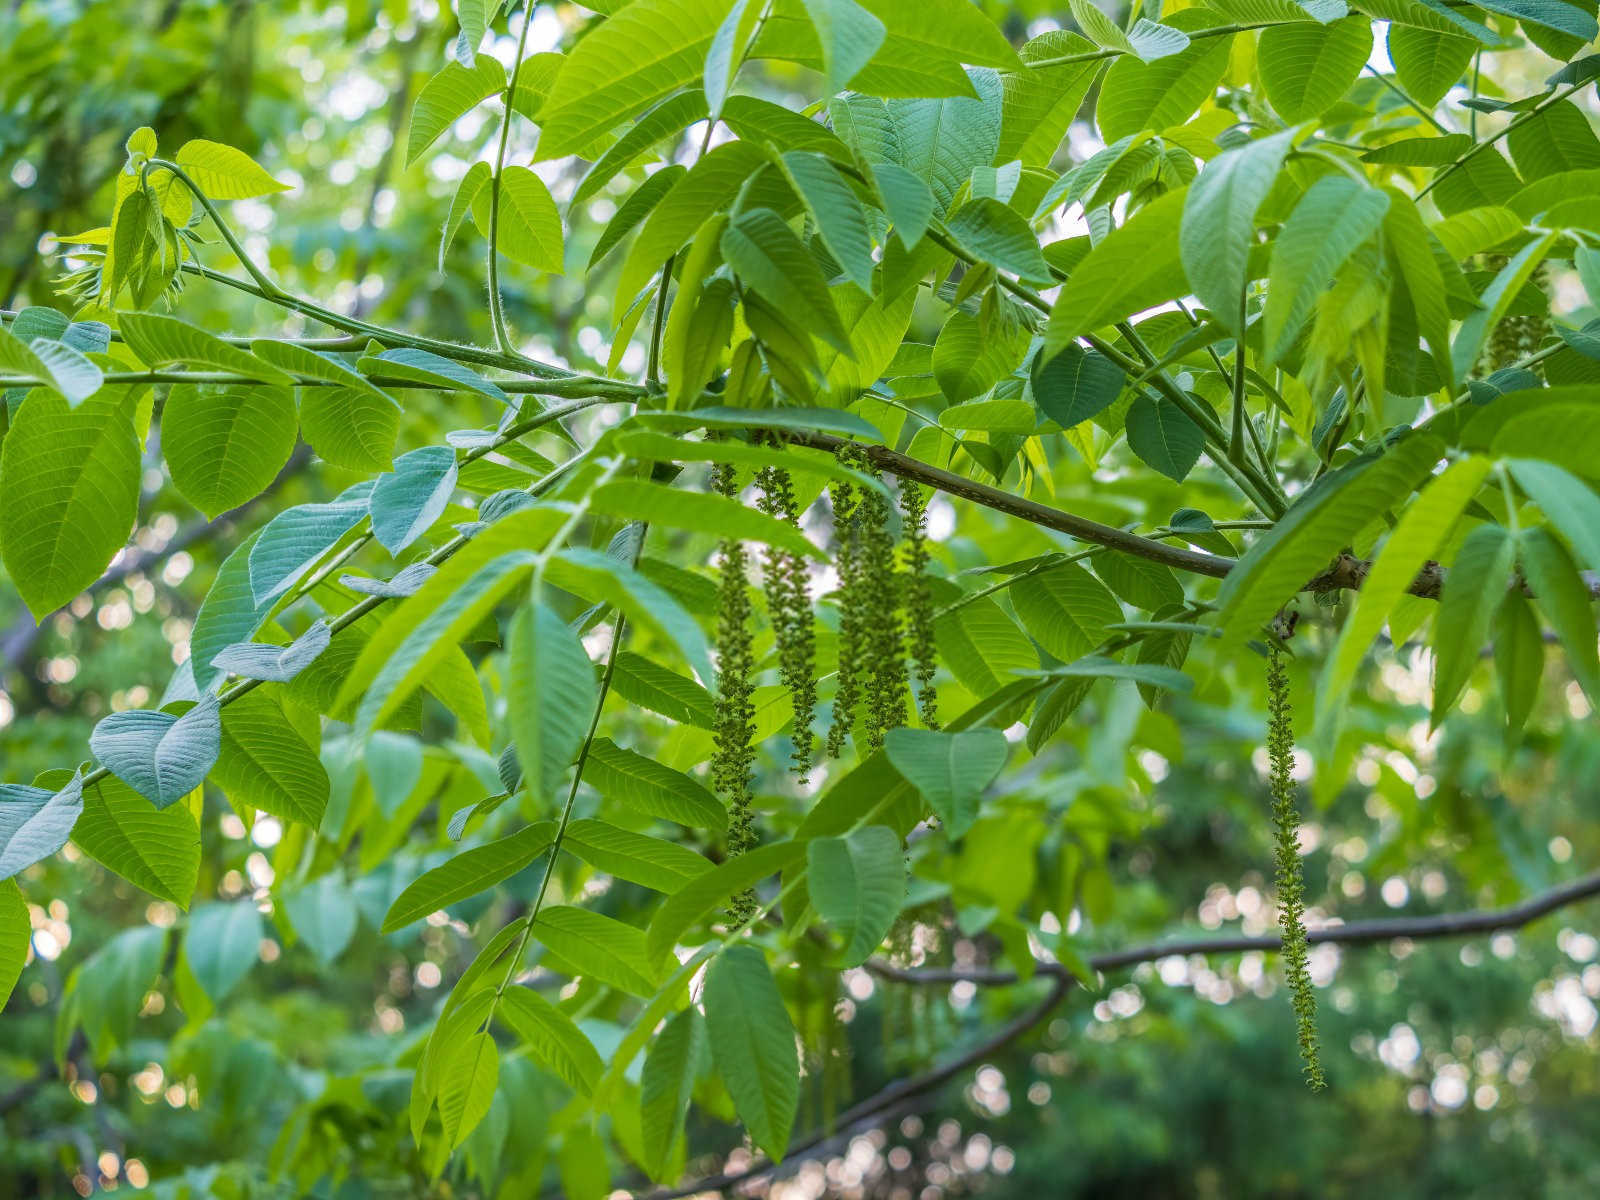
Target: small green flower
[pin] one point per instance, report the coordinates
(919, 600)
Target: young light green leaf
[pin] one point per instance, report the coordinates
(473, 182)
(350, 427)
(1335, 216)
(597, 947)
(907, 201)
(1136, 95)
(605, 79)
(224, 173)
(1421, 531)
(406, 364)
(294, 539)
(467, 1082)
(16, 933)
(642, 681)
(1496, 300)
(530, 226)
(157, 850)
(857, 884)
(1066, 609)
(602, 578)
(161, 756)
(849, 36)
(451, 94)
(753, 1046)
(468, 873)
(1518, 659)
(839, 216)
(949, 770)
(997, 234)
(774, 263)
(1219, 221)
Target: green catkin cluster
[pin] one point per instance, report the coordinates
(1514, 338)
(919, 601)
(852, 617)
(734, 756)
(789, 610)
(1286, 853)
(887, 688)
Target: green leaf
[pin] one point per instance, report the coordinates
(1322, 521)
(1571, 505)
(644, 682)
(949, 770)
(651, 788)
(857, 884)
(1066, 609)
(408, 500)
(16, 934)
(982, 646)
(1558, 139)
(702, 895)
(1421, 151)
(753, 1046)
(1551, 14)
(224, 173)
(1496, 300)
(168, 342)
(1407, 240)
(271, 663)
(1075, 385)
(1422, 530)
(639, 204)
(35, 822)
(816, 420)
(293, 540)
(530, 226)
(1563, 598)
(1135, 267)
(849, 36)
(69, 494)
(727, 52)
(601, 578)
(1136, 95)
(264, 762)
(671, 1067)
(907, 201)
(160, 756)
(228, 615)
(221, 944)
(550, 691)
(701, 512)
(1041, 102)
(999, 235)
(670, 116)
(350, 428)
(1219, 220)
(314, 364)
(449, 95)
(1518, 658)
(1163, 435)
(1335, 216)
(596, 947)
(1473, 589)
(59, 366)
(224, 444)
(1428, 62)
(467, 1083)
(473, 182)
(1306, 69)
(551, 1037)
(1096, 667)
(774, 263)
(468, 873)
(1150, 41)
(425, 367)
(841, 221)
(474, 16)
(639, 858)
(323, 914)
(607, 79)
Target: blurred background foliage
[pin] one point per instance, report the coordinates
(1456, 1068)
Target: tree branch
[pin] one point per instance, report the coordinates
(873, 1109)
